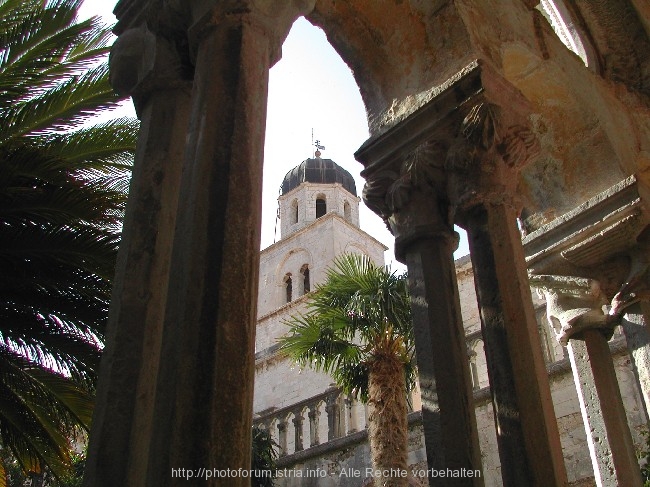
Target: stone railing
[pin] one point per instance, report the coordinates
(313, 421)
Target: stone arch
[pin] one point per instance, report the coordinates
(306, 278)
(394, 55)
(288, 287)
(378, 41)
(347, 210)
(620, 40)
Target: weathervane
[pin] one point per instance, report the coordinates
(317, 144)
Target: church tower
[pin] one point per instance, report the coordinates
(319, 215)
(319, 220)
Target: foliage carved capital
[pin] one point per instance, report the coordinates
(485, 157)
(388, 192)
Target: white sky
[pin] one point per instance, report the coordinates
(309, 88)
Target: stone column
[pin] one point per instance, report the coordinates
(631, 304)
(574, 307)
(204, 391)
(483, 162)
(142, 65)
(635, 324)
(350, 415)
(282, 437)
(313, 416)
(297, 426)
(333, 409)
(413, 206)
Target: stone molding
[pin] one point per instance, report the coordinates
(604, 225)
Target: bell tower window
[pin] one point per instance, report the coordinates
(294, 212)
(321, 206)
(347, 212)
(288, 287)
(306, 285)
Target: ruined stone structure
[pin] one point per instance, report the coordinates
(481, 112)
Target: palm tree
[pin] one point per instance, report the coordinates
(358, 329)
(263, 458)
(63, 186)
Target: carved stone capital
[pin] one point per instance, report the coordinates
(486, 155)
(573, 304)
(413, 202)
(388, 192)
(636, 286)
(142, 62)
(272, 18)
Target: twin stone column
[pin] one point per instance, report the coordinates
(575, 311)
(186, 284)
(455, 160)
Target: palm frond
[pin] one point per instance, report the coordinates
(36, 407)
(359, 312)
(63, 187)
(61, 108)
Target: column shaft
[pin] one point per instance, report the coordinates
(297, 428)
(448, 417)
(637, 335)
(527, 433)
(608, 433)
(203, 405)
(122, 418)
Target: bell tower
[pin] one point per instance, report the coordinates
(314, 188)
(319, 214)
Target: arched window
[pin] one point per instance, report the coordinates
(347, 212)
(321, 206)
(288, 286)
(294, 212)
(306, 285)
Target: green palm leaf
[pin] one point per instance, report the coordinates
(358, 306)
(63, 188)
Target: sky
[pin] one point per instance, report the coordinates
(310, 89)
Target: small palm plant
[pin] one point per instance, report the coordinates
(263, 458)
(63, 186)
(358, 329)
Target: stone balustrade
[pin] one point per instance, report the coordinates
(310, 422)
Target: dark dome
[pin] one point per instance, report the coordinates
(318, 171)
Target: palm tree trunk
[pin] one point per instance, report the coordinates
(387, 423)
